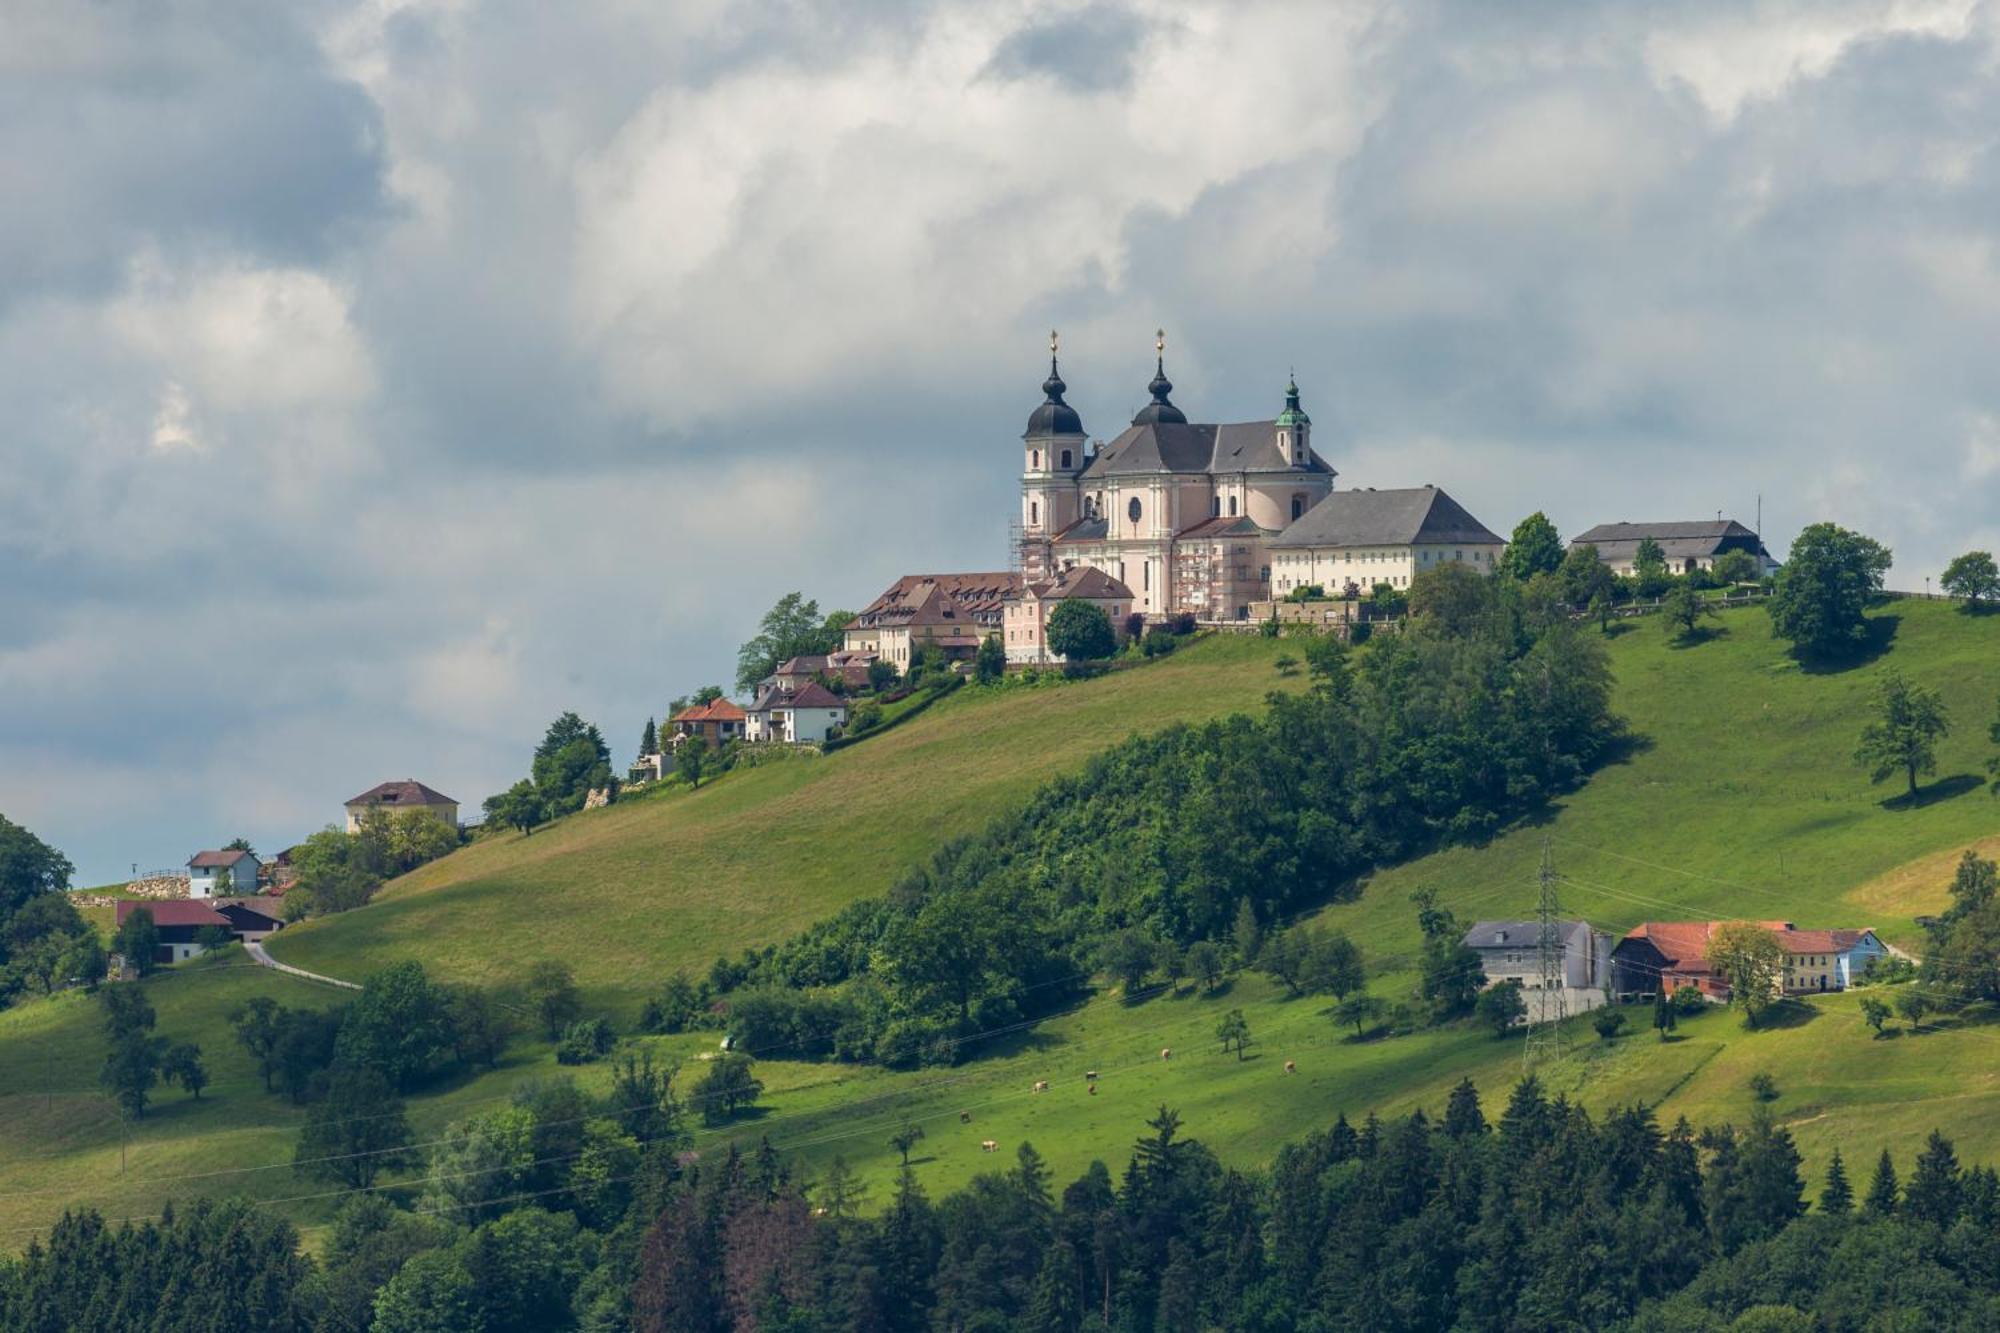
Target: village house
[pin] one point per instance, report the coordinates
(1511, 951)
(1025, 617)
(849, 668)
(948, 612)
(222, 873)
(395, 797)
(718, 722)
(1672, 954)
(180, 923)
(1685, 546)
(1368, 537)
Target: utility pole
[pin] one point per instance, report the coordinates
(1549, 1006)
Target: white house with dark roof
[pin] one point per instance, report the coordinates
(1128, 507)
(1685, 546)
(395, 797)
(1368, 537)
(231, 872)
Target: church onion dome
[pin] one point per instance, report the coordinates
(1293, 415)
(1160, 411)
(1054, 416)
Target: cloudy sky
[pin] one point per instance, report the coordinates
(380, 379)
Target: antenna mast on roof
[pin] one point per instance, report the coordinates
(1547, 1006)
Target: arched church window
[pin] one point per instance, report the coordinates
(1035, 460)
(1298, 505)
(1133, 509)
(1066, 462)
(1034, 512)
(1232, 506)
(1215, 506)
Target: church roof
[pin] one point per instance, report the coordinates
(1225, 526)
(1240, 446)
(1081, 581)
(1054, 416)
(1090, 528)
(1386, 518)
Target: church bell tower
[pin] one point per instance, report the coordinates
(1052, 451)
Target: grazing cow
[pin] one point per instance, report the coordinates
(1291, 1067)
(1090, 1074)
(1166, 1052)
(1042, 1085)
(965, 1117)
(990, 1145)
(1093, 1089)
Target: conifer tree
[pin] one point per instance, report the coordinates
(1935, 1188)
(1462, 1116)
(1837, 1199)
(649, 739)
(1882, 1190)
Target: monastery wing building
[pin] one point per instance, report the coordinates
(1187, 514)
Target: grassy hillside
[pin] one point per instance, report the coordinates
(1743, 802)
(629, 893)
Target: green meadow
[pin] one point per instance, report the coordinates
(1738, 798)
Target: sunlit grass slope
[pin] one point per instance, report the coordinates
(627, 894)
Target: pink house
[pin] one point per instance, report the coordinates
(1025, 614)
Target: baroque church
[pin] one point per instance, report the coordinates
(1182, 513)
(1206, 519)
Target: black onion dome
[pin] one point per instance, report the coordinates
(1054, 416)
(1160, 411)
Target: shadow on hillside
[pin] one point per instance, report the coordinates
(1881, 637)
(1944, 789)
(1698, 636)
(1786, 1014)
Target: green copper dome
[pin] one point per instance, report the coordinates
(1293, 415)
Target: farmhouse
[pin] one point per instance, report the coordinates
(1511, 951)
(409, 794)
(1685, 546)
(1672, 954)
(220, 874)
(1025, 616)
(181, 923)
(1362, 538)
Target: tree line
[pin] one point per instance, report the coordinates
(566, 1211)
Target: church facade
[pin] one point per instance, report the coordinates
(1181, 513)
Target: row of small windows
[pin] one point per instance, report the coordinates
(1035, 460)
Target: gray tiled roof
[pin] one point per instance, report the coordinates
(1677, 540)
(1385, 518)
(1242, 446)
(1517, 934)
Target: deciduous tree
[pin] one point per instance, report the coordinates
(1683, 609)
(1821, 595)
(1234, 1029)
(1974, 577)
(1902, 738)
(356, 1131)
(1534, 549)
(552, 996)
(1750, 956)
(1079, 631)
(1502, 1005)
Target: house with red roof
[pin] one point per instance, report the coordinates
(186, 926)
(718, 722)
(1672, 954)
